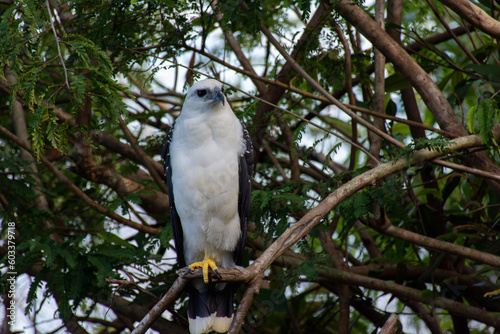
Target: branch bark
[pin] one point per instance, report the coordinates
(475, 15)
(379, 84)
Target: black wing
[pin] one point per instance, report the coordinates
(245, 192)
(174, 216)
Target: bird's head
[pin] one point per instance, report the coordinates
(205, 94)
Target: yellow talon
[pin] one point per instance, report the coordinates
(207, 262)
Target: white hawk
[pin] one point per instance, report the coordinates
(208, 160)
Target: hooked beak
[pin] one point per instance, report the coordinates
(217, 96)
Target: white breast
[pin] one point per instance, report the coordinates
(204, 161)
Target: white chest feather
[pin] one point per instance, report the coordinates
(204, 159)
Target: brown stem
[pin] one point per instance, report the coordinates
(379, 83)
(439, 245)
(274, 160)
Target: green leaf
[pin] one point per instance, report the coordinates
(491, 72)
(32, 293)
(482, 118)
(275, 299)
(114, 239)
(68, 257)
(103, 269)
(396, 82)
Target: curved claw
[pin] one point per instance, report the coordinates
(204, 265)
(218, 273)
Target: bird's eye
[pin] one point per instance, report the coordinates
(201, 92)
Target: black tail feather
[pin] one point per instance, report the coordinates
(211, 309)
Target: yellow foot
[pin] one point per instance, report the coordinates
(207, 262)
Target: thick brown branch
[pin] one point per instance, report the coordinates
(439, 245)
(475, 15)
(328, 275)
(379, 84)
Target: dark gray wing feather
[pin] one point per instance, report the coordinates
(245, 191)
(174, 216)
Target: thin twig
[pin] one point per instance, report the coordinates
(58, 45)
(274, 160)
(447, 27)
(466, 169)
(123, 282)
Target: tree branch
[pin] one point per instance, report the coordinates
(475, 15)
(439, 245)
(448, 29)
(379, 84)
(173, 293)
(428, 90)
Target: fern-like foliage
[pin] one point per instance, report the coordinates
(434, 144)
(482, 118)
